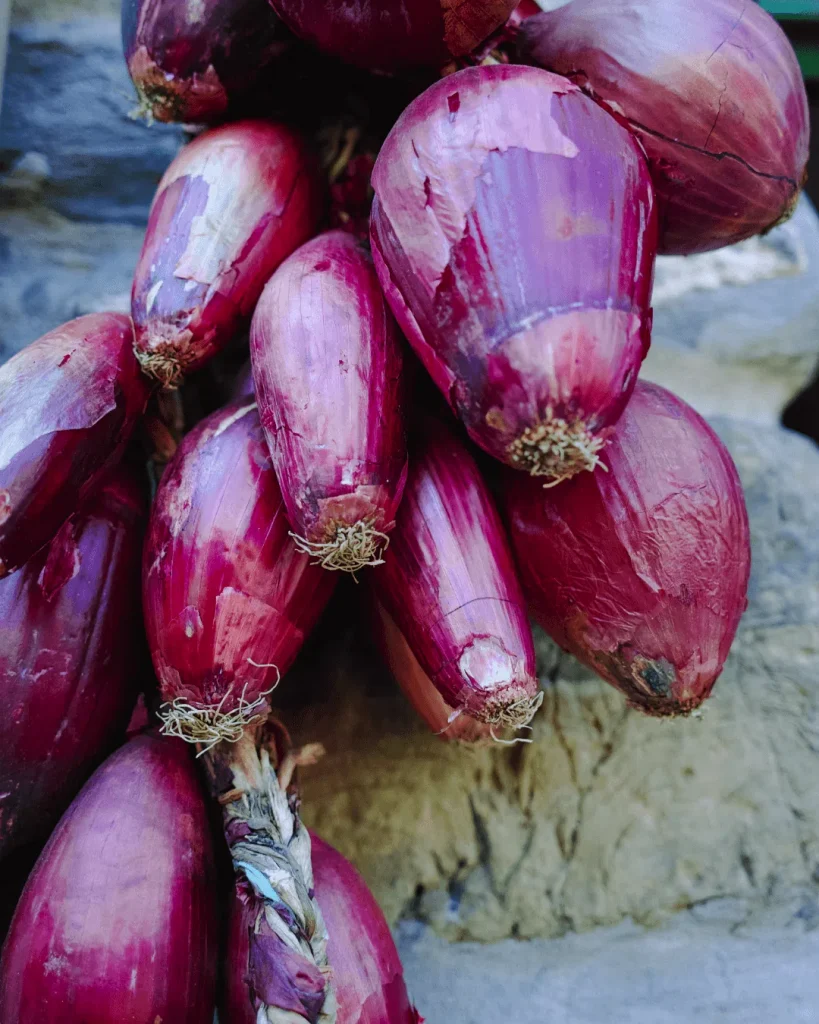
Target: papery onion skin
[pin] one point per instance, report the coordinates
(70, 640)
(449, 583)
(327, 368)
(380, 35)
(642, 571)
(420, 691)
(188, 62)
(118, 919)
(233, 204)
(228, 600)
(513, 231)
(69, 402)
(367, 972)
(714, 92)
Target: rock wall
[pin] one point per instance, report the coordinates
(605, 814)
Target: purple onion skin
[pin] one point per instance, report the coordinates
(367, 973)
(641, 572)
(380, 35)
(228, 600)
(118, 919)
(450, 585)
(233, 204)
(513, 231)
(69, 402)
(713, 90)
(189, 61)
(327, 368)
(419, 689)
(70, 639)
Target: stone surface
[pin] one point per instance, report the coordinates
(607, 814)
(689, 972)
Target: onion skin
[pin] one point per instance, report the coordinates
(69, 402)
(513, 231)
(367, 972)
(189, 61)
(118, 919)
(327, 368)
(70, 639)
(641, 572)
(380, 35)
(450, 585)
(233, 204)
(418, 688)
(228, 600)
(713, 90)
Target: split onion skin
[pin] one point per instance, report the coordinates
(641, 572)
(70, 642)
(232, 205)
(190, 62)
(69, 403)
(117, 922)
(228, 600)
(450, 585)
(713, 91)
(367, 973)
(419, 689)
(514, 233)
(327, 367)
(380, 35)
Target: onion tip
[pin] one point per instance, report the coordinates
(353, 547)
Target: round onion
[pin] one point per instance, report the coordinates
(513, 231)
(118, 919)
(69, 402)
(327, 368)
(367, 973)
(641, 571)
(382, 35)
(189, 61)
(713, 90)
(70, 641)
(233, 204)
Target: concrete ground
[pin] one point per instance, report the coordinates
(690, 970)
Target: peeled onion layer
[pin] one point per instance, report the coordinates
(367, 973)
(713, 91)
(449, 583)
(69, 403)
(380, 35)
(70, 639)
(189, 61)
(228, 599)
(641, 572)
(514, 234)
(327, 368)
(232, 205)
(117, 922)
(451, 725)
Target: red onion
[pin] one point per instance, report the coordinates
(233, 204)
(713, 90)
(189, 61)
(228, 599)
(369, 981)
(327, 368)
(641, 572)
(118, 920)
(68, 404)
(419, 689)
(449, 583)
(381, 35)
(70, 635)
(513, 231)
